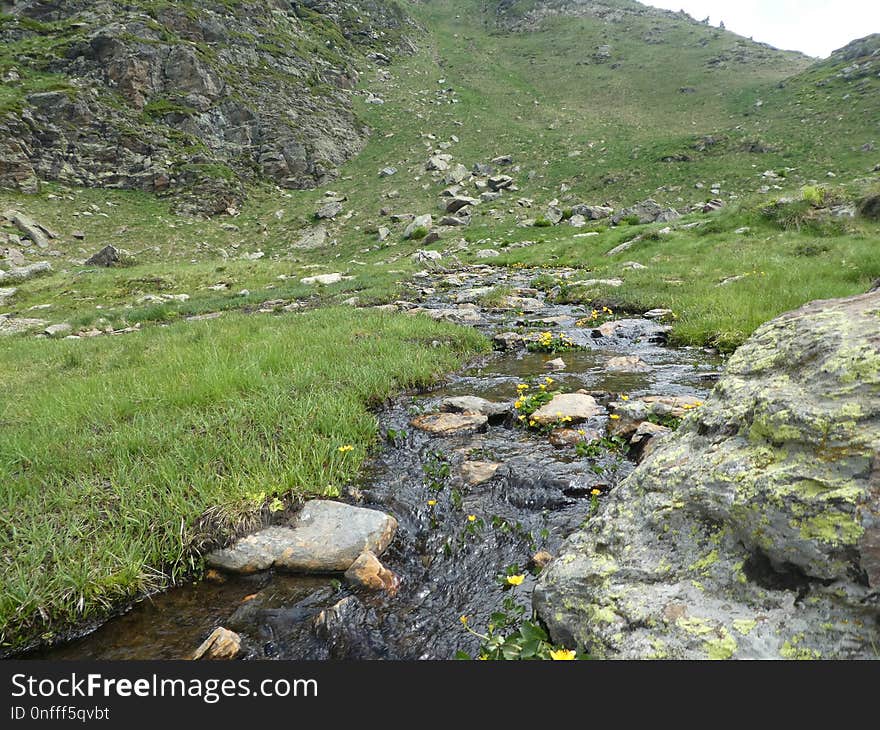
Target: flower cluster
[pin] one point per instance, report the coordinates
(597, 317)
(548, 342)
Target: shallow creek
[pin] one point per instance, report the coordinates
(448, 566)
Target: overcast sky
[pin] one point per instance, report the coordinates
(814, 27)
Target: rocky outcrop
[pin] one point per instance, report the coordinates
(193, 96)
(754, 530)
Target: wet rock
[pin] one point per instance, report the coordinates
(577, 406)
(753, 530)
(507, 341)
(646, 433)
(367, 572)
(475, 473)
(349, 630)
(634, 330)
(221, 644)
(107, 256)
(323, 537)
(446, 424)
(627, 363)
(629, 415)
(474, 404)
(528, 485)
(555, 364)
(562, 437)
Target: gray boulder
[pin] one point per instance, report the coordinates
(107, 256)
(647, 211)
(592, 212)
(324, 537)
(329, 211)
(418, 223)
(753, 531)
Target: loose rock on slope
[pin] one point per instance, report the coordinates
(754, 530)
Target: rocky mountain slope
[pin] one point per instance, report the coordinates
(186, 96)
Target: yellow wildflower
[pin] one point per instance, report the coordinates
(533, 423)
(563, 655)
(624, 397)
(432, 502)
(464, 620)
(542, 386)
(472, 518)
(595, 492)
(614, 417)
(549, 381)
(515, 580)
(345, 449)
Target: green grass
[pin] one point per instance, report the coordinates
(122, 458)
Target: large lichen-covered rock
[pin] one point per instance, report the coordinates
(754, 530)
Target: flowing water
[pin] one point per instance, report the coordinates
(448, 565)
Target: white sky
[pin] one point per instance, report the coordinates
(814, 27)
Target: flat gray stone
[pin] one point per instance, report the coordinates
(473, 404)
(445, 424)
(577, 406)
(324, 537)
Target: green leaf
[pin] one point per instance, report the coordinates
(532, 632)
